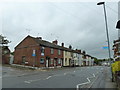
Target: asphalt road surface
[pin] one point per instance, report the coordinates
(77, 77)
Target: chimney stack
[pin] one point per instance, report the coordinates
(70, 47)
(62, 44)
(40, 38)
(84, 52)
(79, 51)
(55, 42)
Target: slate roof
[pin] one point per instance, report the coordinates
(51, 45)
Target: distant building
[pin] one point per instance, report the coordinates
(116, 48)
(67, 55)
(5, 55)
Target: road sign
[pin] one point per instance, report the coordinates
(33, 54)
(105, 47)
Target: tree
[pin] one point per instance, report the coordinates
(96, 61)
(3, 40)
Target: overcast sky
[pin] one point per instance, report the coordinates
(80, 24)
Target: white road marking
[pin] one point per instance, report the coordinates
(64, 73)
(48, 77)
(93, 82)
(30, 81)
(34, 80)
(0, 77)
(93, 75)
(85, 82)
(27, 82)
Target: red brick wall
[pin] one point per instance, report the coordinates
(5, 56)
(6, 59)
(26, 47)
(55, 54)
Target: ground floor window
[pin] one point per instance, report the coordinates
(23, 59)
(42, 60)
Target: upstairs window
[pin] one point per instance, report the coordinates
(52, 51)
(65, 52)
(42, 51)
(59, 52)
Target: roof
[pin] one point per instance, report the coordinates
(49, 44)
(116, 40)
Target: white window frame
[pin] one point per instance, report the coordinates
(42, 50)
(59, 52)
(52, 51)
(42, 61)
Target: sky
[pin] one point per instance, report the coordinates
(80, 24)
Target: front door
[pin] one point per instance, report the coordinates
(62, 62)
(23, 59)
(47, 63)
(69, 62)
(55, 62)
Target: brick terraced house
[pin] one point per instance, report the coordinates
(37, 52)
(33, 51)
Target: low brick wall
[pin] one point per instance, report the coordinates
(30, 67)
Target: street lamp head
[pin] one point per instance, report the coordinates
(100, 3)
(118, 24)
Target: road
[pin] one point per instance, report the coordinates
(77, 77)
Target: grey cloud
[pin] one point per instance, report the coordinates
(79, 24)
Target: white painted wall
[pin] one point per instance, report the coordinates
(11, 59)
(80, 59)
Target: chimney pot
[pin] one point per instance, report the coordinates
(39, 38)
(79, 51)
(70, 47)
(84, 52)
(55, 42)
(62, 44)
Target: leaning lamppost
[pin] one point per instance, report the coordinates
(103, 3)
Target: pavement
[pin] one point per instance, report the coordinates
(104, 80)
(77, 77)
(108, 80)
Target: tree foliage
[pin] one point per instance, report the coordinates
(3, 40)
